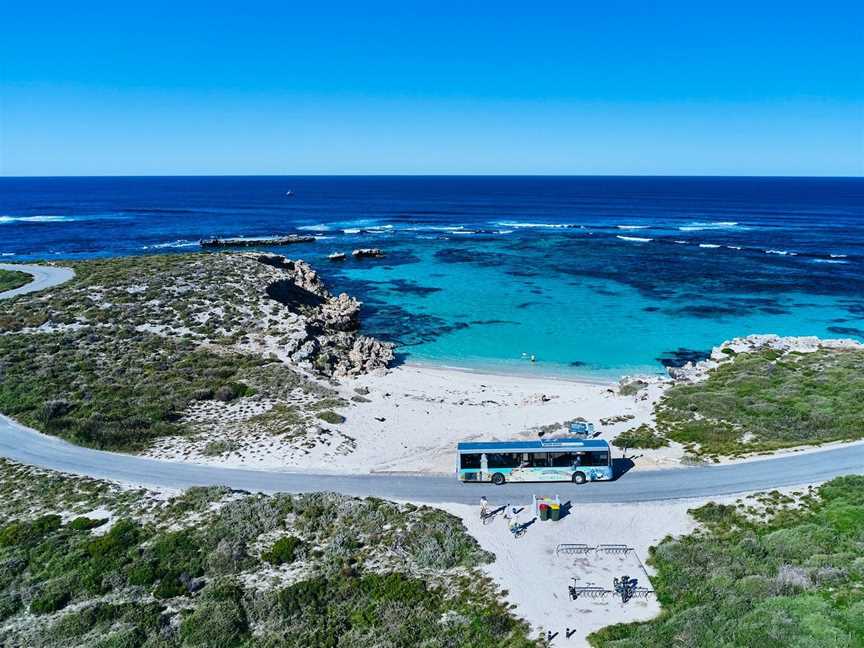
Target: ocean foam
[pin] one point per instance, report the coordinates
(182, 243)
(708, 245)
(781, 252)
(320, 227)
(637, 239)
(540, 225)
(830, 261)
(632, 227)
(36, 219)
(838, 256)
(698, 226)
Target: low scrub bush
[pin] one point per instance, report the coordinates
(787, 580)
(765, 400)
(643, 436)
(283, 551)
(329, 416)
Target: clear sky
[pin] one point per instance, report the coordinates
(731, 88)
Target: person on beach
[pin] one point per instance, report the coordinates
(514, 522)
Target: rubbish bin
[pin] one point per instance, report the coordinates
(544, 512)
(555, 512)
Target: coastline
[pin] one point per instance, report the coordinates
(535, 372)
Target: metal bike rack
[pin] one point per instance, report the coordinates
(643, 592)
(571, 549)
(614, 548)
(588, 592)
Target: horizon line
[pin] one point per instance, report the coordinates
(429, 175)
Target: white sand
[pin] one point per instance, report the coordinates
(536, 579)
(417, 414)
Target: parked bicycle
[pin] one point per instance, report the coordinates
(518, 530)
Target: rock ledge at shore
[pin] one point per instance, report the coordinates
(698, 371)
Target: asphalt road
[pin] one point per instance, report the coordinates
(43, 277)
(28, 446)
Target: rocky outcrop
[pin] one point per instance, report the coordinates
(726, 352)
(256, 241)
(363, 253)
(325, 337)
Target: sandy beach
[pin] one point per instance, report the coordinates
(415, 415)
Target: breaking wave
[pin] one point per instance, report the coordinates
(637, 239)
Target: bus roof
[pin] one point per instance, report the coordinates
(550, 445)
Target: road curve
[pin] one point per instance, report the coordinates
(43, 277)
(28, 446)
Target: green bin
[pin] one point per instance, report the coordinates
(555, 513)
(544, 512)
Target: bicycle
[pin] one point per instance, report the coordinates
(518, 530)
(487, 517)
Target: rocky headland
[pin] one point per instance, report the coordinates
(227, 348)
(730, 349)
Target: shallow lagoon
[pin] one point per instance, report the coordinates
(593, 276)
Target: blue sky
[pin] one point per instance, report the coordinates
(432, 87)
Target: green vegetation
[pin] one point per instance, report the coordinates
(632, 387)
(220, 447)
(115, 392)
(126, 350)
(329, 416)
(11, 279)
(173, 573)
(643, 436)
(783, 573)
(283, 551)
(766, 400)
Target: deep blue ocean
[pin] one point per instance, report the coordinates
(594, 276)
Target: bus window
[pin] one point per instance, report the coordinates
(561, 459)
(470, 461)
(538, 460)
(504, 460)
(596, 459)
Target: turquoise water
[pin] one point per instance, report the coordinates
(596, 277)
(574, 326)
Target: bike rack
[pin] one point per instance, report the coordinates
(614, 548)
(642, 592)
(570, 549)
(588, 592)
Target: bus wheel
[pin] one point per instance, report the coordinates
(579, 478)
(497, 479)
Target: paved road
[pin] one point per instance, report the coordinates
(28, 446)
(43, 277)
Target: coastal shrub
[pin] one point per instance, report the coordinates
(162, 576)
(85, 523)
(221, 446)
(643, 436)
(329, 416)
(53, 596)
(632, 387)
(68, 384)
(740, 581)
(11, 279)
(283, 551)
(766, 400)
